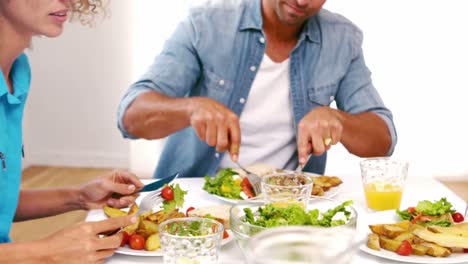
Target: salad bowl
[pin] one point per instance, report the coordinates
(248, 218)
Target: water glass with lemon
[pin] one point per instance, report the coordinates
(384, 181)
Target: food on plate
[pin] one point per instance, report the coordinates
(426, 213)
(233, 183)
(144, 234)
(427, 229)
(219, 213)
(173, 197)
(272, 215)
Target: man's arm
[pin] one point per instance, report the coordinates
(365, 135)
(153, 115)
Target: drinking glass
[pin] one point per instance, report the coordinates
(285, 188)
(302, 245)
(191, 240)
(384, 181)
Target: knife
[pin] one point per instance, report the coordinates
(152, 186)
(158, 184)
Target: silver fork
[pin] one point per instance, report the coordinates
(253, 178)
(149, 201)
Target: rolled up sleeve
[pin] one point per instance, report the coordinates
(357, 94)
(174, 72)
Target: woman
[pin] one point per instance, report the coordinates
(20, 20)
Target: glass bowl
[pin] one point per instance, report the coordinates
(243, 230)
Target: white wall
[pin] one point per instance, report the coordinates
(78, 80)
(415, 49)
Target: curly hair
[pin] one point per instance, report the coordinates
(86, 11)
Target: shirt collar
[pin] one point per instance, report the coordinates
(252, 19)
(20, 76)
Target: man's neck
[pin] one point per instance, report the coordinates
(274, 27)
(12, 43)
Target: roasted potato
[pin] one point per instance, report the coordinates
(419, 250)
(389, 244)
(373, 241)
(153, 242)
(436, 250)
(392, 231)
(113, 212)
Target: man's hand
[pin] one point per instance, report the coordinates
(97, 193)
(81, 243)
(317, 131)
(216, 124)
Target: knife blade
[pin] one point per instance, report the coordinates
(158, 184)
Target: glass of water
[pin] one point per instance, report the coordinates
(285, 188)
(191, 240)
(302, 245)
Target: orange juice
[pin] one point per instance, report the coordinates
(382, 196)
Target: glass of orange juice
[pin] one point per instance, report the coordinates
(384, 181)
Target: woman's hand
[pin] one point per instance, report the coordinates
(81, 243)
(97, 193)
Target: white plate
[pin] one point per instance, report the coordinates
(386, 217)
(332, 192)
(158, 253)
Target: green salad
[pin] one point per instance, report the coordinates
(294, 214)
(226, 183)
(429, 213)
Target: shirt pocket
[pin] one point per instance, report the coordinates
(322, 95)
(216, 87)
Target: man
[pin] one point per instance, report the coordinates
(256, 78)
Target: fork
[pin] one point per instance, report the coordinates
(253, 178)
(149, 201)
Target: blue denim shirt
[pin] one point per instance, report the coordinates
(216, 52)
(11, 141)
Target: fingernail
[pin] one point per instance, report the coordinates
(131, 187)
(111, 202)
(302, 160)
(234, 157)
(133, 220)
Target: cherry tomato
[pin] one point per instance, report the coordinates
(225, 234)
(136, 242)
(457, 217)
(247, 188)
(167, 193)
(411, 210)
(125, 237)
(188, 210)
(405, 248)
(465, 250)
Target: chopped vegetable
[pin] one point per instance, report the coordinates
(224, 183)
(177, 202)
(294, 214)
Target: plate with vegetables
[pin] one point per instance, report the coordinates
(142, 238)
(231, 186)
(430, 232)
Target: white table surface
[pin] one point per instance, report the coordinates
(416, 190)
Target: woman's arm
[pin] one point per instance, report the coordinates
(94, 194)
(80, 243)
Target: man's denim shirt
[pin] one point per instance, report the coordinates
(216, 53)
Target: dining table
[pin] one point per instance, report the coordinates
(416, 189)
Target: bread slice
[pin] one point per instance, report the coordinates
(219, 212)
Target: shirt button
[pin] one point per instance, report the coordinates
(332, 98)
(262, 40)
(221, 82)
(253, 68)
(242, 100)
(217, 155)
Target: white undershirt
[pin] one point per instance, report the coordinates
(267, 125)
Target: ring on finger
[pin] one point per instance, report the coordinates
(327, 141)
